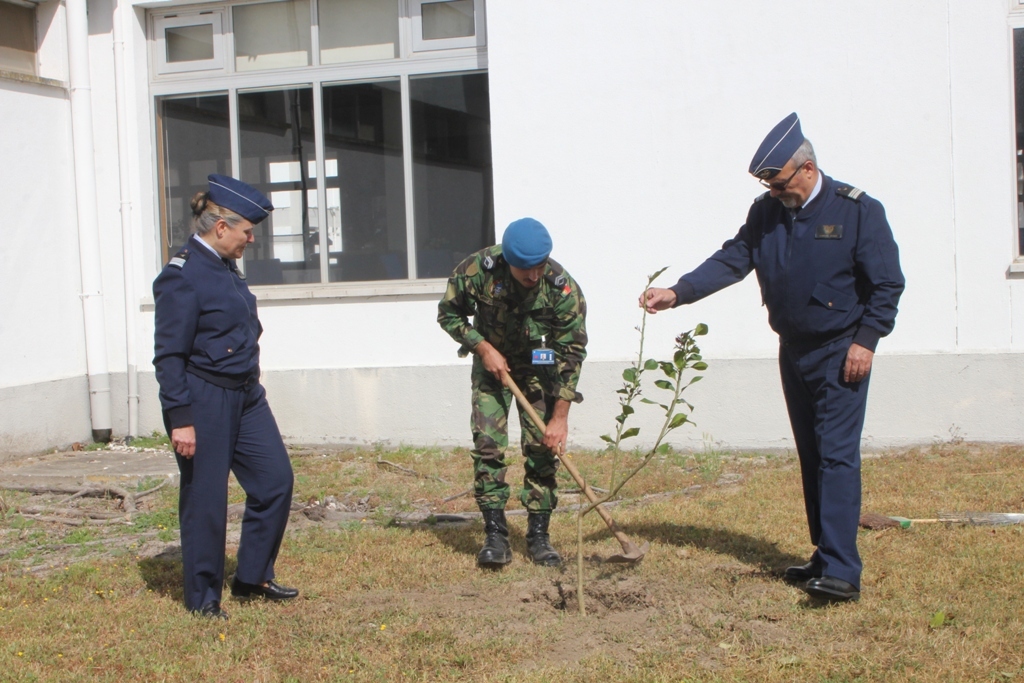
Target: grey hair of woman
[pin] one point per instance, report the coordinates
(205, 214)
(803, 154)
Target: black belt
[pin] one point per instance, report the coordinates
(226, 381)
(810, 342)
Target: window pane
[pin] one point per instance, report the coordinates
(365, 181)
(17, 38)
(452, 181)
(1018, 75)
(196, 143)
(278, 157)
(448, 19)
(273, 35)
(189, 43)
(358, 30)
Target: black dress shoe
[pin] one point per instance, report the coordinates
(803, 573)
(271, 591)
(832, 589)
(211, 610)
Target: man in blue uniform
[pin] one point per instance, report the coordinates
(215, 411)
(830, 276)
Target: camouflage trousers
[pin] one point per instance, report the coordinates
(489, 422)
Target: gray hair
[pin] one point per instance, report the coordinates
(205, 214)
(803, 154)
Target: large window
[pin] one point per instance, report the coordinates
(371, 140)
(1018, 74)
(17, 38)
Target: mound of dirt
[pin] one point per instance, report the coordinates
(600, 596)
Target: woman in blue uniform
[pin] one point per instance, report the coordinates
(214, 408)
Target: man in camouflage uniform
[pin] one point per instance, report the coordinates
(529, 320)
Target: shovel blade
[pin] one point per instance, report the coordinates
(631, 554)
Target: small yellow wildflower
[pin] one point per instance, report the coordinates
(383, 626)
(222, 637)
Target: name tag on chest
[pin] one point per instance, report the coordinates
(828, 232)
(543, 357)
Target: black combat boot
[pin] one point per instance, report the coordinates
(538, 542)
(496, 551)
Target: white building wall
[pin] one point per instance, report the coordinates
(41, 325)
(627, 128)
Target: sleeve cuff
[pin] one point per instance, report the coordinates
(473, 339)
(867, 337)
(180, 417)
(684, 293)
(567, 394)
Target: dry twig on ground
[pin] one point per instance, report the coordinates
(386, 464)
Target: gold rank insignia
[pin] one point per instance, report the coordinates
(829, 232)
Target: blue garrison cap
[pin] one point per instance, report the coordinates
(243, 199)
(526, 243)
(778, 147)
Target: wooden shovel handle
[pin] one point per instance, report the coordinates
(569, 465)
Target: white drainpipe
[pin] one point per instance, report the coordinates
(88, 221)
(127, 250)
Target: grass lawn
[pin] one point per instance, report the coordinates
(385, 598)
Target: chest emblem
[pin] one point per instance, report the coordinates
(828, 232)
(497, 289)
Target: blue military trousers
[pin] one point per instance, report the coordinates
(827, 416)
(236, 432)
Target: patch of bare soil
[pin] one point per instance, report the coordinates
(627, 617)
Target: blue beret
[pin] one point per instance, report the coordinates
(526, 243)
(243, 199)
(778, 147)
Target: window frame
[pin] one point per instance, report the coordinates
(34, 19)
(188, 18)
(1015, 22)
(421, 44)
(409, 63)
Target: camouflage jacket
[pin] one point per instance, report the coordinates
(516, 320)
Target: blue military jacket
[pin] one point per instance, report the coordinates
(205, 318)
(832, 271)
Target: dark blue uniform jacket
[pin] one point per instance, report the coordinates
(832, 272)
(205, 319)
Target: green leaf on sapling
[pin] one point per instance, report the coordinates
(678, 420)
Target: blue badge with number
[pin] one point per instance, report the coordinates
(543, 357)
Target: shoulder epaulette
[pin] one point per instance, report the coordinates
(762, 196)
(849, 192)
(491, 257)
(556, 274)
(178, 260)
